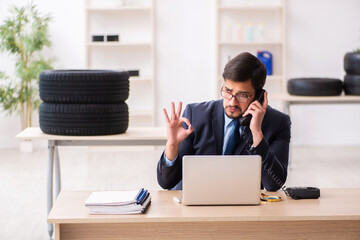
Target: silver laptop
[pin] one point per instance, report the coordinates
(221, 180)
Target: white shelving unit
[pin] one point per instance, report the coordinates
(229, 13)
(133, 21)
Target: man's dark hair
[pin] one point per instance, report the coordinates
(246, 66)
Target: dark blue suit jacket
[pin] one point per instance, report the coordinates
(207, 119)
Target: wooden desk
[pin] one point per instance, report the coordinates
(133, 136)
(336, 215)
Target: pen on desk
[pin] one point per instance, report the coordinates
(176, 199)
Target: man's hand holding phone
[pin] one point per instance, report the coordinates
(257, 110)
(175, 131)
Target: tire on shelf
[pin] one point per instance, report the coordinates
(315, 86)
(352, 63)
(352, 84)
(83, 119)
(84, 86)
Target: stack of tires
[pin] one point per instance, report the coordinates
(84, 102)
(352, 77)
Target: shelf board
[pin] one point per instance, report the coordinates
(126, 8)
(316, 99)
(268, 77)
(250, 8)
(274, 77)
(117, 44)
(249, 43)
(141, 79)
(140, 113)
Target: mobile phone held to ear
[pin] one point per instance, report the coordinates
(245, 121)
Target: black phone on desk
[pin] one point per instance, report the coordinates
(245, 121)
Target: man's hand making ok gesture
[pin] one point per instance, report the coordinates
(175, 131)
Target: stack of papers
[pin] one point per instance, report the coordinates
(119, 202)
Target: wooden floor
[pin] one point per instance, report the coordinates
(23, 178)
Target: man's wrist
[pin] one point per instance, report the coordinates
(257, 137)
(171, 151)
(166, 162)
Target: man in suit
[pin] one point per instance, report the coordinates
(212, 128)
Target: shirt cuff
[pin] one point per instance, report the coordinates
(168, 163)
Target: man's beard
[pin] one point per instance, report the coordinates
(234, 117)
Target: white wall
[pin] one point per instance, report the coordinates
(185, 52)
(68, 51)
(319, 33)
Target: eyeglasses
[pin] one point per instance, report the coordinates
(240, 97)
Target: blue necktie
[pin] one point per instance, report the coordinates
(234, 138)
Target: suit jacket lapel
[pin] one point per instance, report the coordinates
(218, 126)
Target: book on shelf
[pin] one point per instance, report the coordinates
(119, 202)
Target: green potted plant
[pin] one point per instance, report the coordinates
(23, 35)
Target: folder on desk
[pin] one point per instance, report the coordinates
(119, 202)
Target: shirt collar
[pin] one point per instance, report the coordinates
(227, 120)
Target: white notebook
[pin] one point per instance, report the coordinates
(111, 198)
(118, 202)
(121, 209)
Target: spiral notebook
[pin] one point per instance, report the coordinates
(118, 202)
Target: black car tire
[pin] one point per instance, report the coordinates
(352, 63)
(84, 86)
(315, 86)
(83, 119)
(352, 84)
